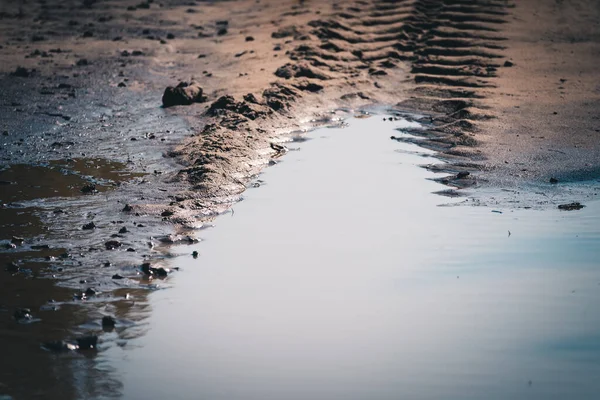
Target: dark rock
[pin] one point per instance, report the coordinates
(82, 62)
(222, 23)
(87, 342)
(553, 180)
(17, 240)
(108, 322)
(249, 39)
(22, 315)
(250, 98)
(131, 250)
(166, 213)
(222, 31)
(309, 87)
(195, 254)
(462, 175)
(117, 276)
(122, 84)
(183, 94)
(89, 189)
(571, 206)
(112, 244)
(151, 271)
(89, 292)
(23, 72)
(170, 36)
(508, 63)
(89, 226)
(137, 53)
(127, 208)
(123, 230)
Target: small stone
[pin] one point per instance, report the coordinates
(571, 206)
(123, 230)
(23, 314)
(108, 322)
(89, 226)
(127, 208)
(553, 180)
(112, 244)
(87, 343)
(249, 39)
(117, 276)
(508, 63)
(195, 254)
(88, 189)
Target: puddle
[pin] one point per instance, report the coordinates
(341, 277)
(64, 178)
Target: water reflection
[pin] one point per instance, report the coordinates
(341, 278)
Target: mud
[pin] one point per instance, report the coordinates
(96, 170)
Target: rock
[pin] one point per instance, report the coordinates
(89, 226)
(195, 254)
(553, 181)
(23, 315)
(87, 342)
(249, 39)
(17, 240)
(250, 98)
(127, 208)
(183, 94)
(112, 244)
(508, 63)
(170, 36)
(462, 175)
(89, 189)
(571, 206)
(167, 213)
(123, 230)
(151, 271)
(108, 322)
(89, 292)
(82, 62)
(117, 276)
(23, 72)
(222, 31)
(79, 296)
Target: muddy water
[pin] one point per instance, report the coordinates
(342, 277)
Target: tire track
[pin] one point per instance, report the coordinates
(454, 50)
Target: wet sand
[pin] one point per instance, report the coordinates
(508, 93)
